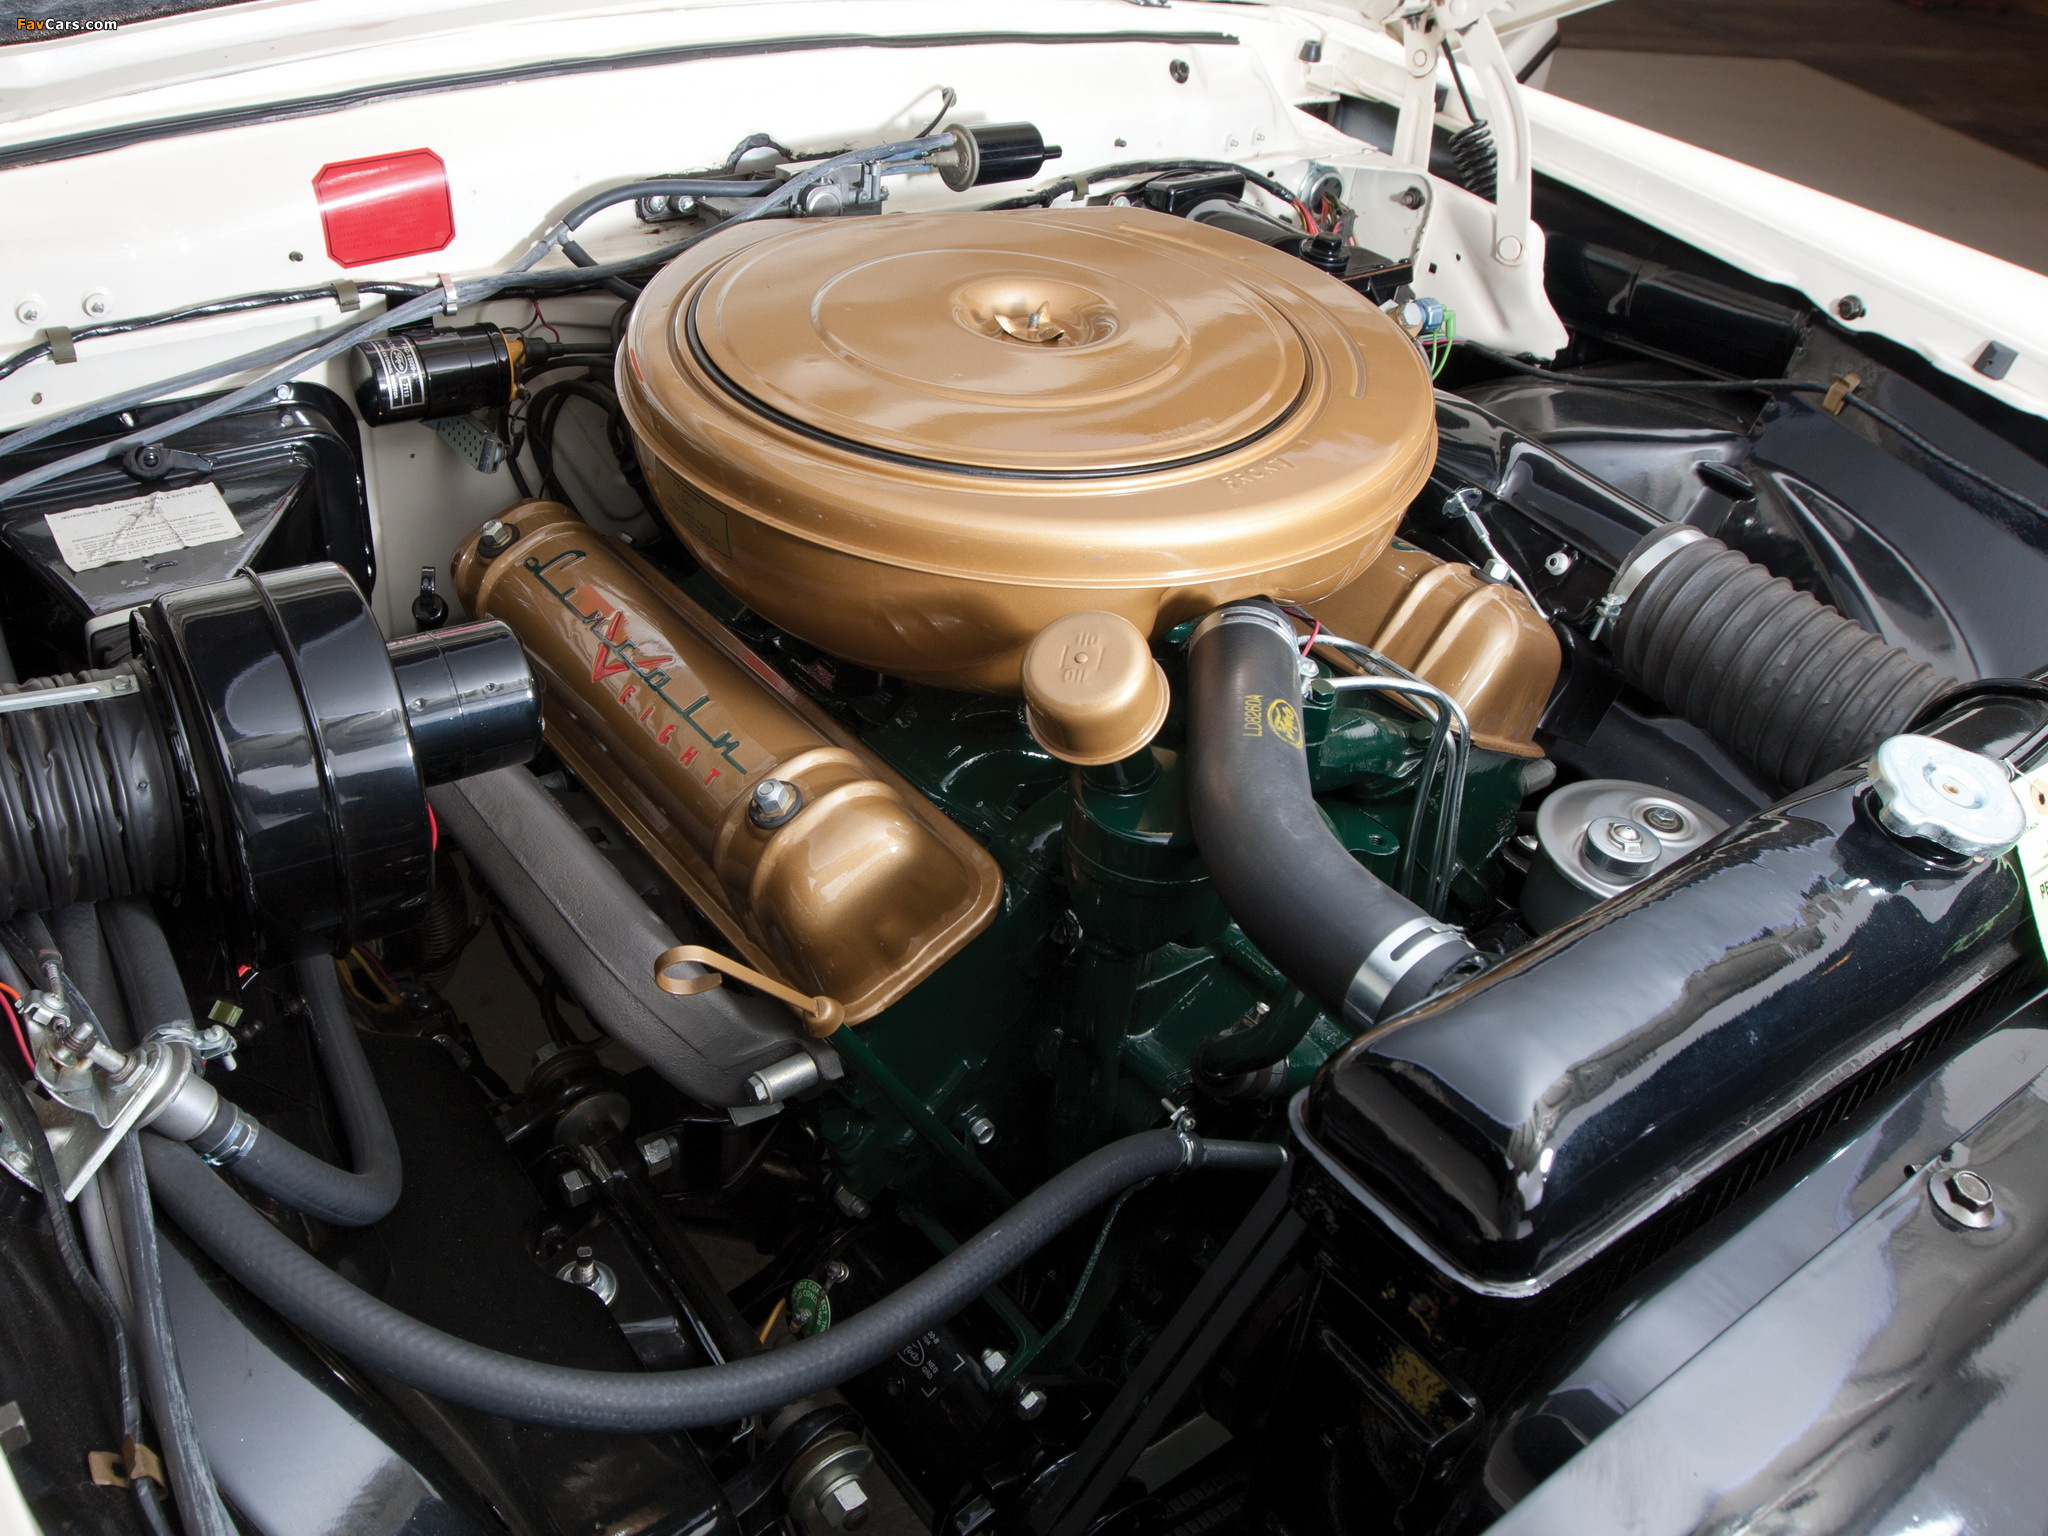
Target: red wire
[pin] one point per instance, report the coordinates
(433, 832)
(14, 1020)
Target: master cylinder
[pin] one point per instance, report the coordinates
(823, 867)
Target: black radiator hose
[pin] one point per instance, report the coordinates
(1332, 928)
(304, 1182)
(1760, 666)
(306, 1292)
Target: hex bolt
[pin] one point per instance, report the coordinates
(773, 803)
(1030, 1404)
(844, 1505)
(1970, 1191)
(1964, 1196)
(659, 1152)
(851, 1204)
(981, 1130)
(1663, 819)
(1558, 562)
(577, 1187)
(834, 1273)
(993, 1361)
(495, 537)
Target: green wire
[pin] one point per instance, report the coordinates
(1444, 343)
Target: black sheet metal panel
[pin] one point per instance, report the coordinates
(1929, 560)
(1511, 1128)
(1650, 1329)
(1897, 1382)
(293, 1449)
(1474, 447)
(288, 466)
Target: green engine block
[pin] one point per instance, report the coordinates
(1112, 985)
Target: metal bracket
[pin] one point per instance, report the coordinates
(97, 691)
(100, 1095)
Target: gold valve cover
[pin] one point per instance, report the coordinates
(916, 440)
(858, 896)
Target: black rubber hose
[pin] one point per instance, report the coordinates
(26, 1131)
(1312, 909)
(1762, 667)
(356, 1324)
(192, 1485)
(88, 801)
(150, 982)
(296, 1177)
(155, 995)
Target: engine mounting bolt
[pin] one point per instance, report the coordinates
(773, 802)
(1964, 1197)
(851, 1204)
(576, 1187)
(981, 1130)
(495, 537)
(1030, 1403)
(1558, 562)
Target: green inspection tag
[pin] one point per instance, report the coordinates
(2033, 847)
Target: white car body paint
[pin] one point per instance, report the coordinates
(178, 217)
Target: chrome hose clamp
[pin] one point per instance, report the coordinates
(1265, 615)
(1391, 959)
(1636, 570)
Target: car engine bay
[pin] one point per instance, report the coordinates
(1062, 858)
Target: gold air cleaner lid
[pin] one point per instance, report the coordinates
(916, 440)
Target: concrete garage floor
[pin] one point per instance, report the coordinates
(1935, 117)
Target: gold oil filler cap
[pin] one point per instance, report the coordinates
(1092, 692)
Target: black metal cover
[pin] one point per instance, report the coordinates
(1512, 1128)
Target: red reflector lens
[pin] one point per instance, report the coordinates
(385, 206)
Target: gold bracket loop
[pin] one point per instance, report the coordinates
(821, 1015)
